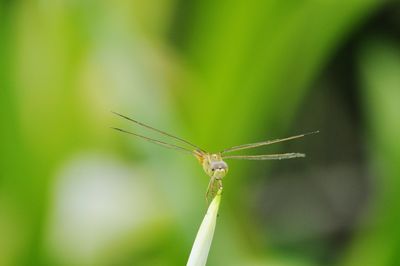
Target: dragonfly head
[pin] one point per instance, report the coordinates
(215, 166)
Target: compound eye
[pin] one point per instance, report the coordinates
(213, 169)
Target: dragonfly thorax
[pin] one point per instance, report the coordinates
(214, 166)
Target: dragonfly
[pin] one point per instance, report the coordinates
(213, 163)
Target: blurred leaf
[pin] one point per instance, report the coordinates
(377, 242)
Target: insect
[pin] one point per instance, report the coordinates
(214, 164)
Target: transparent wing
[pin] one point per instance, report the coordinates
(154, 141)
(266, 156)
(159, 131)
(264, 143)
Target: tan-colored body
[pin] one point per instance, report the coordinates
(215, 168)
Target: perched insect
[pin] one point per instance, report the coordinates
(213, 163)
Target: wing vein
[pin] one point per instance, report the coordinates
(266, 156)
(154, 141)
(159, 131)
(264, 143)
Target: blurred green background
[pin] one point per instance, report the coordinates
(218, 73)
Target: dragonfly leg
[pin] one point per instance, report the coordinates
(220, 184)
(210, 188)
